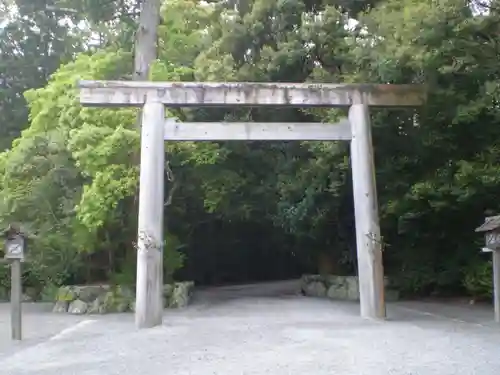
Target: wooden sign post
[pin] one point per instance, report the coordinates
(491, 230)
(15, 248)
(152, 96)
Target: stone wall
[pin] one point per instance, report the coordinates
(102, 299)
(337, 287)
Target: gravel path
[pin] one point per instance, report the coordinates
(233, 331)
(39, 324)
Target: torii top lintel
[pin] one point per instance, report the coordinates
(203, 94)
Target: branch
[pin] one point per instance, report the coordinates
(334, 68)
(175, 185)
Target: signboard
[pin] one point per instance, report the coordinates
(492, 239)
(14, 247)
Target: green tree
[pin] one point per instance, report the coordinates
(436, 167)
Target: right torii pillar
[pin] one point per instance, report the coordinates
(368, 239)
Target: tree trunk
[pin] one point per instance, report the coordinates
(146, 39)
(145, 53)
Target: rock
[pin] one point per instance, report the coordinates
(60, 307)
(26, 298)
(125, 292)
(337, 292)
(331, 286)
(124, 296)
(337, 287)
(103, 299)
(306, 279)
(66, 293)
(181, 295)
(96, 306)
(315, 289)
(168, 289)
(352, 288)
(122, 306)
(104, 304)
(340, 287)
(77, 307)
(113, 302)
(310, 285)
(88, 293)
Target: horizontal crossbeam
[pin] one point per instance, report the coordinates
(254, 131)
(202, 94)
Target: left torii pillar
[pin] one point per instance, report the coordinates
(149, 283)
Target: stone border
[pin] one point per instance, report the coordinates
(103, 299)
(338, 287)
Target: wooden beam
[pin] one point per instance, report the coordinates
(251, 131)
(199, 94)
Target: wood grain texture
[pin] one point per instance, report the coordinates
(251, 131)
(199, 94)
(368, 238)
(149, 284)
(16, 299)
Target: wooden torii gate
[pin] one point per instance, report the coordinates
(154, 96)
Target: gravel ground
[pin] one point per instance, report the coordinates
(39, 324)
(234, 331)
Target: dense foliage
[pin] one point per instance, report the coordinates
(246, 211)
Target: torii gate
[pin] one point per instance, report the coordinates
(154, 96)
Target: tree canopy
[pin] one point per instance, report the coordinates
(244, 211)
